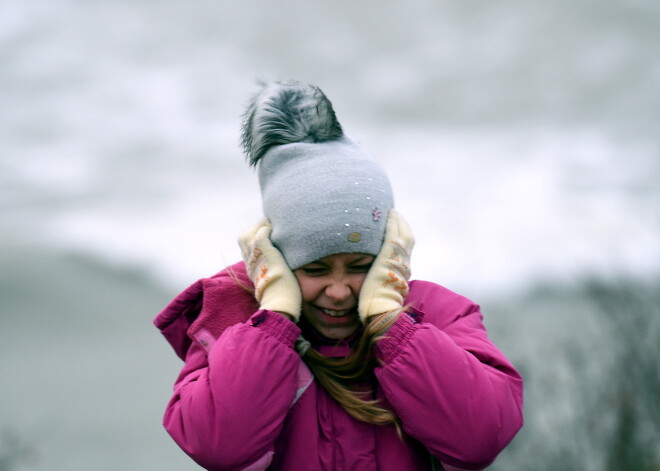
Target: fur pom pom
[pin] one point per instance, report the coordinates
(287, 112)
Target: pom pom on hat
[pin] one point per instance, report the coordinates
(322, 193)
(284, 113)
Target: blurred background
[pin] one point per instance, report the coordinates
(523, 146)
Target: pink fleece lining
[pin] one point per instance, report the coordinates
(262, 463)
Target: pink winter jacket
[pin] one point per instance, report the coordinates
(246, 401)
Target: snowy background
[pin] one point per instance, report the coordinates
(521, 139)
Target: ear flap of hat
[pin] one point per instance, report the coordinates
(284, 113)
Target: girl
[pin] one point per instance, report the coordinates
(316, 352)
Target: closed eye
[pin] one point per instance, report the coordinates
(314, 271)
(362, 268)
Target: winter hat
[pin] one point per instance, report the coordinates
(322, 192)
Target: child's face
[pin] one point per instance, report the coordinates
(330, 289)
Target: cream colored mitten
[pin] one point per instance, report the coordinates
(386, 284)
(276, 287)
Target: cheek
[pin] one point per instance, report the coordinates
(307, 288)
(357, 284)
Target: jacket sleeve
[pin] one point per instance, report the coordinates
(453, 390)
(228, 407)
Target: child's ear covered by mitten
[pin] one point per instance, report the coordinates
(386, 284)
(276, 287)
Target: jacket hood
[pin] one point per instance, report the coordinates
(206, 308)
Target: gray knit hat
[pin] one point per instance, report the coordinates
(322, 193)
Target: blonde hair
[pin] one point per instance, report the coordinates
(344, 377)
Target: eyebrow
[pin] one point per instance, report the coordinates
(363, 258)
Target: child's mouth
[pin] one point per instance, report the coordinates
(335, 312)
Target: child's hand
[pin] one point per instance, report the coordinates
(276, 287)
(386, 284)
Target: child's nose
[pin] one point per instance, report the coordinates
(338, 290)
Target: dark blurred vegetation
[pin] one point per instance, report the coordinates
(592, 393)
(632, 316)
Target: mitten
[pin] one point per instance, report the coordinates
(276, 287)
(386, 284)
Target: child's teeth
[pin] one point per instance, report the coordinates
(335, 313)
